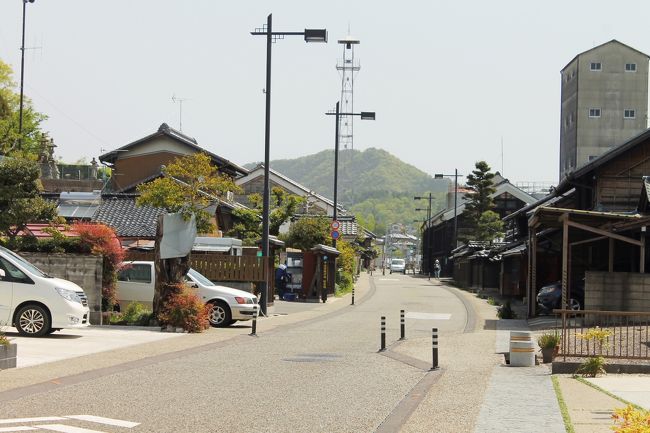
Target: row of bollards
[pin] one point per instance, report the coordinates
(434, 338)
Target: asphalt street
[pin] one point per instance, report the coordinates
(320, 375)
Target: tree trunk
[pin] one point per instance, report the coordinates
(169, 272)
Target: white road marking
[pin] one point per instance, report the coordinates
(17, 428)
(36, 419)
(102, 420)
(389, 279)
(66, 428)
(428, 316)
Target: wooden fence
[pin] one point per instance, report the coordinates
(219, 267)
(624, 335)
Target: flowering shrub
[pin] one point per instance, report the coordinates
(631, 420)
(3, 340)
(185, 309)
(104, 242)
(597, 334)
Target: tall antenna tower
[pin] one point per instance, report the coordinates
(348, 67)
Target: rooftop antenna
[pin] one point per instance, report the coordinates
(502, 157)
(180, 110)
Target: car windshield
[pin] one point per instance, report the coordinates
(398, 262)
(24, 263)
(197, 277)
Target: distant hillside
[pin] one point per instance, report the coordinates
(377, 186)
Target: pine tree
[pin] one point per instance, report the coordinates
(480, 202)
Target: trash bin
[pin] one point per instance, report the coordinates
(522, 349)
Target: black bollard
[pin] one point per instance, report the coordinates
(434, 345)
(254, 330)
(352, 295)
(402, 326)
(383, 333)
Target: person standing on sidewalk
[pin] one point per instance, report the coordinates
(436, 269)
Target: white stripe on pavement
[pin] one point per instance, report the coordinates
(10, 429)
(102, 420)
(36, 419)
(66, 428)
(389, 279)
(428, 316)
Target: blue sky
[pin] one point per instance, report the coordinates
(450, 81)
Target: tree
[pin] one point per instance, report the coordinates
(20, 202)
(489, 227)
(189, 186)
(248, 227)
(9, 119)
(307, 232)
(479, 199)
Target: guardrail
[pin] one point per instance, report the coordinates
(624, 335)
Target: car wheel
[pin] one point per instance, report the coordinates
(391, 272)
(220, 315)
(32, 321)
(574, 304)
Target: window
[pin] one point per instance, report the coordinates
(12, 273)
(136, 273)
(629, 114)
(594, 112)
(596, 66)
(630, 67)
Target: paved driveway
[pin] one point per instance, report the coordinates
(69, 343)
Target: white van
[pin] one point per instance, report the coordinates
(36, 303)
(136, 281)
(398, 265)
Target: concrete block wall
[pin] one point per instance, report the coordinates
(617, 291)
(84, 270)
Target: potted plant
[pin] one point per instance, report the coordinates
(7, 353)
(550, 345)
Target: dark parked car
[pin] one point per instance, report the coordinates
(550, 297)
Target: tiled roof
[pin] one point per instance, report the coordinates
(127, 219)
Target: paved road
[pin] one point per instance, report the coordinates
(321, 375)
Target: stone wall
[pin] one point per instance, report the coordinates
(84, 270)
(617, 291)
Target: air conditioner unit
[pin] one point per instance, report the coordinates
(230, 196)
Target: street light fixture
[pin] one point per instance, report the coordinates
(310, 35)
(22, 77)
(365, 115)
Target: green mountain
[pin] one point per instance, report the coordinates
(373, 184)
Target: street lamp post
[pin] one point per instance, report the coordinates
(428, 209)
(310, 35)
(22, 77)
(455, 176)
(365, 115)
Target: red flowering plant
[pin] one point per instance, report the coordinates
(185, 309)
(102, 241)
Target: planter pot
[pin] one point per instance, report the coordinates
(548, 354)
(8, 356)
